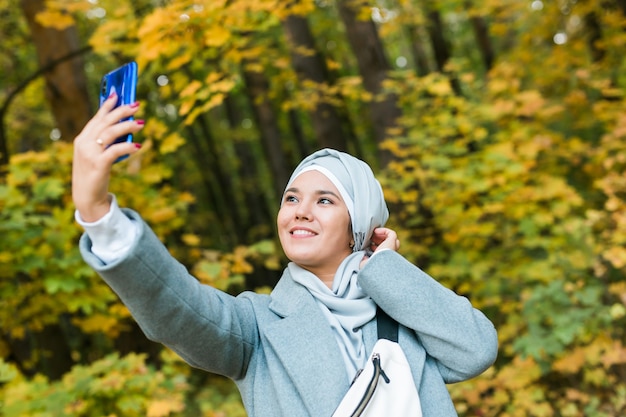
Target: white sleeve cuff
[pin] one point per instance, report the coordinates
(379, 251)
(111, 236)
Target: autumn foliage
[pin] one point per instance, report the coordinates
(498, 131)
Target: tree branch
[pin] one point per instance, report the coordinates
(4, 151)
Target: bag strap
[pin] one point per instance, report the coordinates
(387, 327)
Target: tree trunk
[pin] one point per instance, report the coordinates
(66, 83)
(441, 51)
(481, 32)
(440, 46)
(594, 37)
(267, 122)
(310, 67)
(260, 210)
(420, 57)
(4, 107)
(622, 6)
(373, 67)
(210, 175)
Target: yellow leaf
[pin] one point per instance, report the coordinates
(5, 257)
(521, 373)
(616, 256)
(216, 36)
(440, 88)
(180, 60)
(530, 103)
(171, 143)
(213, 77)
(159, 408)
(186, 198)
(191, 88)
(596, 376)
(191, 239)
(163, 214)
(186, 106)
(239, 263)
(119, 311)
(55, 19)
(498, 85)
(572, 362)
(617, 311)
(615, 355)
(224, 85)
(98, 323)
(214, 101)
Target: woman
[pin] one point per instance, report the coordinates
(295, 351)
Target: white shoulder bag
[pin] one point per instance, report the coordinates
(385, 386)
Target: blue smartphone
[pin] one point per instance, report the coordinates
(122, 81)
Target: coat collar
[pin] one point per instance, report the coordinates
(303, 341)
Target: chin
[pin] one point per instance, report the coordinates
(302, 261)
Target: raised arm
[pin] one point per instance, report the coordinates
(459, 337)
(210, 329)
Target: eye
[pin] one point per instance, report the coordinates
(325, 200)
(291, 199)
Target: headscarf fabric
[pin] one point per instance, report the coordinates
(346, 307)
(355, 178)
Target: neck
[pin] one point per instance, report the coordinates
(327, 280)
(324, 275)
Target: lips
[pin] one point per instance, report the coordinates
(302, 232)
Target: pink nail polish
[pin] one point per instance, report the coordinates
(113, 94)
(140, 121)
(138, 145)
(135, 104)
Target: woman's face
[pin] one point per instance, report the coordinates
(314, 224)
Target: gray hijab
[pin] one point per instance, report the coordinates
(346, 307)
(362, 189)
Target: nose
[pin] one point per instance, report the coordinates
(303, 211)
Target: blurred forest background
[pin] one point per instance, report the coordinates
(497, 127)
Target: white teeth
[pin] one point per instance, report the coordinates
(301, 232)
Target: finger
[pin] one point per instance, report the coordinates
(381, 234)
(94, 126)
(112, 133)
(105, 108)
(385, 238)
(112, 153)
(109, 103)
(120, 113)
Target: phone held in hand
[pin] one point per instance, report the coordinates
(123, 82)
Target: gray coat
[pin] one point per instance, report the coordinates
(279, 348)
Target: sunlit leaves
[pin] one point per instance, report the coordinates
(55, 19)
(43, 279)
(217, 36)
(226, 271)
(110, 386)
(512, 193)
(518, 224)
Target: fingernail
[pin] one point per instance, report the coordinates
(138, 145)
(135, 104)
(113, 94)
(140, 121)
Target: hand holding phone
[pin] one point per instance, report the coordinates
(123, 82)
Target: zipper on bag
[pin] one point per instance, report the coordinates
(371, 387)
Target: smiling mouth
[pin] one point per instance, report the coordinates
(302, 233)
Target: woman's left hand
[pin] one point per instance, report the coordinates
(382, 239)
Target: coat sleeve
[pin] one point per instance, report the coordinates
(208, 328)
(460, 338)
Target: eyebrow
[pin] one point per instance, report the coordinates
(318, 192)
